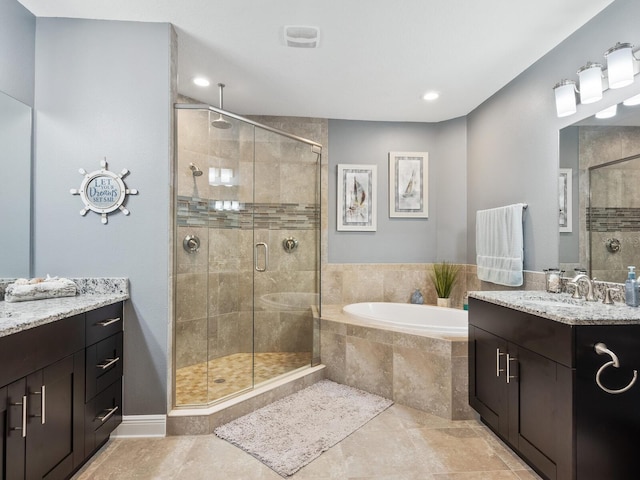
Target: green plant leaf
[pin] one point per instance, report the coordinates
(444, 277)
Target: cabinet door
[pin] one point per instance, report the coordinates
(487, 381)
(16, 423)
(50, 439)
(540, 412)
(3, 431)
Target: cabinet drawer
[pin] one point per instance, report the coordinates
(551, 339)
(102, 415)
(103, 323)
(103, 364)
(25, 352)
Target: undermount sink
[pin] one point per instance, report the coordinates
(553, 300)
(557, 304)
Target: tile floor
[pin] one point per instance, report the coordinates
(399, 444)
(207, 381)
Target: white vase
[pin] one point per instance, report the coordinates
(444, 302)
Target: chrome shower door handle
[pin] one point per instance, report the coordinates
(265, 265)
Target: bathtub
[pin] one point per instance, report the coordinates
(416, 355)
(425, 319)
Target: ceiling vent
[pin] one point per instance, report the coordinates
(301, 37)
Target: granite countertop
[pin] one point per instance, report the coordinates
(92, 293)
(561, 307)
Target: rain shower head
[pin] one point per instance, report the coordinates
(195, 170)
(220, 122)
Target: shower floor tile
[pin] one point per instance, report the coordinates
(217, 378)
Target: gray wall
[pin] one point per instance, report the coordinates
(103, 89)
(513, 136)
(402, 240)
(17, 51)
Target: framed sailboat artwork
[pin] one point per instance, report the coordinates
(409, 184)
(357, 196)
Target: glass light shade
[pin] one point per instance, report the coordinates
(620, 65)
(607, 112)
(590, 83)
(565, 98)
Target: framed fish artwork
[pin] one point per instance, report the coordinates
(409, 184)
(357, 196)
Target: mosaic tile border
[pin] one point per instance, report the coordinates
(613, 219)
(200, 212)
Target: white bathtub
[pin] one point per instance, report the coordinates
(423, 318)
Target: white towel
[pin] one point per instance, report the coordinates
(499, 245)
(51, 287)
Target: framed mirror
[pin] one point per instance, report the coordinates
(15, 192)
(604, 156)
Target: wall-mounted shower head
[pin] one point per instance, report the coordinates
(220, 122)
(195, 170)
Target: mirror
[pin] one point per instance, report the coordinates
(603, 158)
(15, 193)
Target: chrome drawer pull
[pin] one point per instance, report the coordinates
(498, 369)
(106, 416)
(108, 321)
(43, 404)
(24, 416)
(108, 363)
(509, 376)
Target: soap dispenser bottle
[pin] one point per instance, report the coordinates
(631, 288)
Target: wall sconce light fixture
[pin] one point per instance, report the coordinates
(622, 66)
(590, 77)
(565, 91)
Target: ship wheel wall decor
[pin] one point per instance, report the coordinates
(103, 191)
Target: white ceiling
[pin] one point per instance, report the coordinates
(375, 60)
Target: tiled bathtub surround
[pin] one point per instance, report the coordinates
(426, 373)
(387, 282)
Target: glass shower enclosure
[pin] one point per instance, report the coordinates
(246, 254)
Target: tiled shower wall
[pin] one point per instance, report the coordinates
(615, 196)
(215, 286)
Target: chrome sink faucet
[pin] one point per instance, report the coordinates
(575, 281)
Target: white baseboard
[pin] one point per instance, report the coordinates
(141, 426)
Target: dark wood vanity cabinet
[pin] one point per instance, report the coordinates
(43, 398)
(534, 382)
(104, 359)
(521, 383)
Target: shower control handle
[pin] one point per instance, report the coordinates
(265, 265)
(191, 244)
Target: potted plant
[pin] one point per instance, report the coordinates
(444, 277)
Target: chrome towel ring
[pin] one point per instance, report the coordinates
(601, 349)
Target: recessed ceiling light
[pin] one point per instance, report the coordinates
(430, 96)
(201, 81)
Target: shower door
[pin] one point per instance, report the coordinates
(286, 253)
(246, 289)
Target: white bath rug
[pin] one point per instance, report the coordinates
(291, 432)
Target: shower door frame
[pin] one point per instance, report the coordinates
(315, 148)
